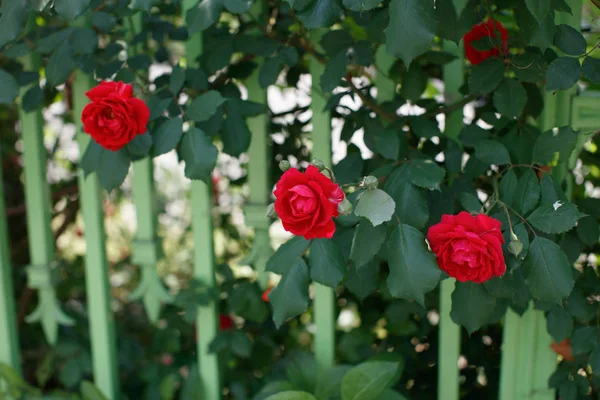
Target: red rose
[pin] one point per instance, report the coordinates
(564, 348)
(225, 322)
(306, 203)
(265, 295)
(114, 116)
(483, 30)
(468, 248)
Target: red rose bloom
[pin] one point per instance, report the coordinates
(114, 116)
(225, 322)
(265, 295)
(483, 30)
(468, 248)
(306, 203)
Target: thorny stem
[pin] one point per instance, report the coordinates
(506, 208)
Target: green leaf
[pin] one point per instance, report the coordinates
(366, 242)
(205, 106)
(486, 77)
(329, 382)
(140, 145)
(70, 9)
(492, 152)
(527, 193)
(241, 345)
(60, 65)
(411, 205)
(361, 5)
(595, 361)
(288, 56)
(177, 79)
(414, 82)
(414, 19)
(287, 254)
(9, 88)
(591, 69)
(555, 218)
(376, 206)
(199, 154)
(459, 6)
(510, 98)
(103, 21)
(157, 106)
(334, 71)
(290, 297)
(569, 40)
(12, 20)
(413, 268)
(387, 143)
(320, 13)
(91, 392)
(237, 6)
(269, 71)
(33, 98)
(368, 380)
(425, 128)
(553, 146)
(112, 168)
(584, 340)
(567, 390)
(562, 73)
(235, 134)
(167, 136)
(425, 173)
(326, 263)
(84, 40)
(508, 187)
(90, 161)
(539, 8)
(204, 15)
(145, 5)
(363, 281)
(292, 395)
(548, 273)
(550, 191)
(470, 202)
(588, 230)
(472, 305)
(535, 33)
(559, 323)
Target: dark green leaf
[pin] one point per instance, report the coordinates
(411, 205)
(70, 9)
(508, 186)
(562, 73)
(553, 146)
(425, 173)
(235, 134)
(269, 71)
(550, 191)
(204, 15)
(177, 79)
(470, 202)
(414, 82)
(548, 272)
(527, 193)
(472, 305)
(559, 324)
(568, 390)
(510, 98)
(103, 21)
(241, 345)
(329, 382)
(387, 143)
(205, 106)
(199, 154)
(84, 40)
(334, 71)
(535, 33)
(113, 168)
(366, 242)
(140, 145)
(167, 136)
(555, 218)
(290, 297)
(368, 380)
(9, 88)
(286, 254)
(326, 262)
(414, 19)
(425, 128)
(584, 339)
(60, 65)
(90, 162)
(288, 56)
(591, 69)
(363, 281)
(145, 5)
(32, 99)
(595, 361)
(376, 206)
(237, 6)
(413, 268)
(12, 20)
(486, 76)
(157, 106)
(491, 152)
(539, 8)
(292, 395)
(588, 230)
(320, 13)
(569, 40)
(361, 5)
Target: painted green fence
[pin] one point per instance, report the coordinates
(527, 360)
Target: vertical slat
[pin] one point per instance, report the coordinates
(101, 320)
(509, 378)
(449, 332)
(259, 172)
(146, 244)
(324, 301)
(9, 345)
(41, 271)
(206, 321)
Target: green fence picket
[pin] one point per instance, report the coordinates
(101, 320)
(204, 270)
(324, 302)
(259, 173)
(41, 272)
(9, 341)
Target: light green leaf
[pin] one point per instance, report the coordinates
(413, 268)
(472, 305)
(548, 272)
(425, 173)
(205, 106)
(326, 263)
(292, 395)
(366, 242)
(553, 146)
(375, 205)
(414, 19)
(569, 40)
(539, 8)
(510, 98)
(562, 73)
(287, 254)
(199, 154)
(555, 218)
(492, 152)
(320, 13)
(559, 323)
(290, 297)
(70, 9)
(486, 77)
(527, 193)
(368, 380)
(9, 88)
(167, 136)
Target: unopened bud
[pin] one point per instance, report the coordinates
(513, 237)
(271, 213)
(370, 182)
(515, 247)
(345, 207)
(319, 164)
(284, 165)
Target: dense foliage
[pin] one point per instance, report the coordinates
(410, 159)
